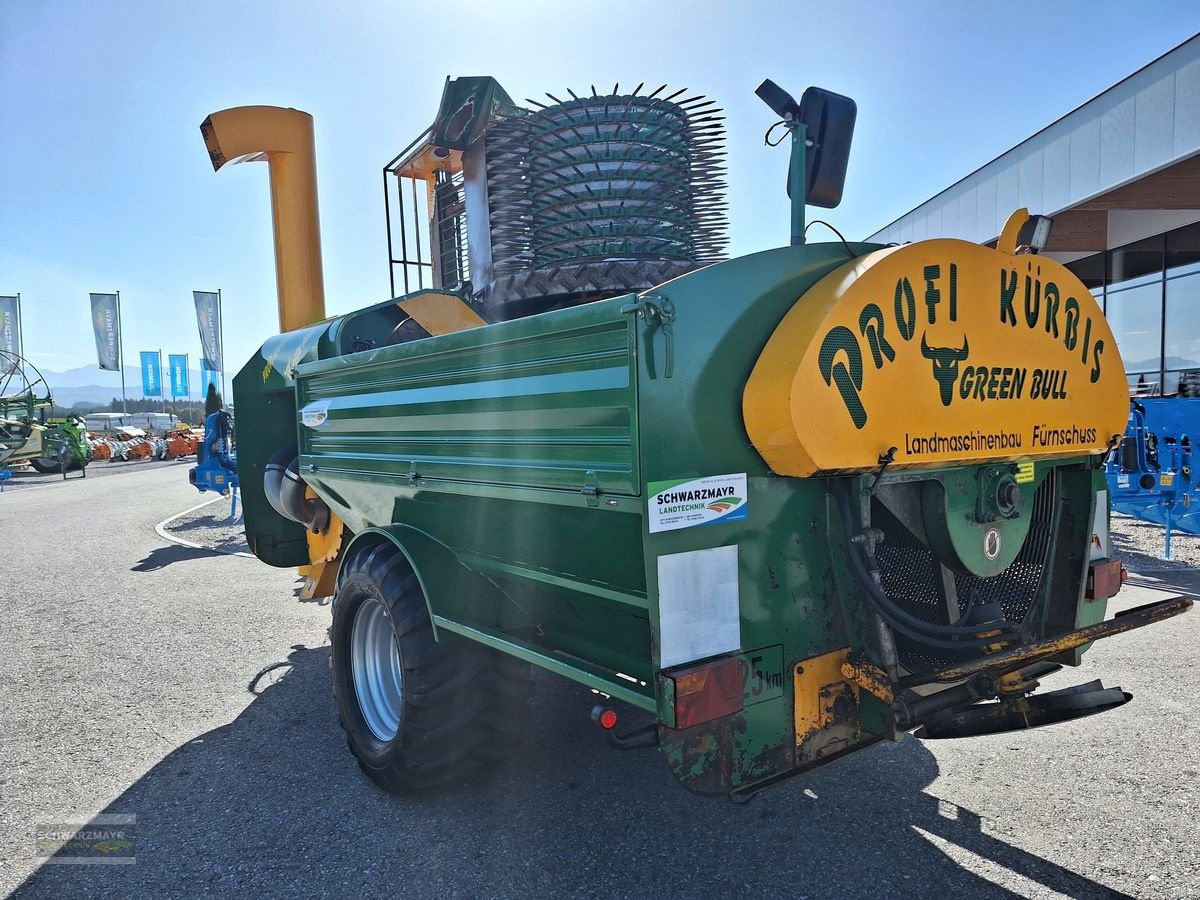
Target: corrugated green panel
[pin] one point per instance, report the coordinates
(546, 402)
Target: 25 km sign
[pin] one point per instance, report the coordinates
(762, 674)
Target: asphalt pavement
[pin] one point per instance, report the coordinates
(23, 477)
(128, 673)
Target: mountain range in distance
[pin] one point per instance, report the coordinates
(91, 384)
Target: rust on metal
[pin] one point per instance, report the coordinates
(827, 716)
(870, 678)
(1017, 657)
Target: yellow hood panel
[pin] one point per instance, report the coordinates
(948, 351)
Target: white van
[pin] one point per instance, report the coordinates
(149, 421)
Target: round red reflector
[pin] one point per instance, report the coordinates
(608, 719)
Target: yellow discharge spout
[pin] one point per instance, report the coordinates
(284, 138)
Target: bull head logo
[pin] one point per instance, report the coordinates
(945, 366)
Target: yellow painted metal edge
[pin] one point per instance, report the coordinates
(440, 313)
(324, 549)
(809, 677)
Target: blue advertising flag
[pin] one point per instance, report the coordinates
(178, 364)
(208, 375)
(151, 374)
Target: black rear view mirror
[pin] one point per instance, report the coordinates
(821, 126)
(829, 118)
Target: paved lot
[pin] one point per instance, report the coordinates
(126, 666)
(24, 477)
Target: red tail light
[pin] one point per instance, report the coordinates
(707, 691)
(1104, 579)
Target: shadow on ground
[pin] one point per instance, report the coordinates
(205, 523)
(1148, 570)
(161, 557)
(212, 532)
(272, 803)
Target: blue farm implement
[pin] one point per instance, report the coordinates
(216, 468)
(1151, 475)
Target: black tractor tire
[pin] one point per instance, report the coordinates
(462, 706)
(47, 465)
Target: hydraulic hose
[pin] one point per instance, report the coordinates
(876, 594)
(285, 492)
(929, 634)
(941, 636)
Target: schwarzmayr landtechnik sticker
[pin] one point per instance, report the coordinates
(315, 414)
(697, 501)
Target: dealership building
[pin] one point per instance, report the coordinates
(1120, 175)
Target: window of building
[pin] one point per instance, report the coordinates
(1134, 283)
(1183, 250)
(1090, 270)
(1182, 326)
(1135, 316)
(1136, 263)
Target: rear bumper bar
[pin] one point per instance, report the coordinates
(1018, 657)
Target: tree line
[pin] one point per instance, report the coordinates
(191, 412)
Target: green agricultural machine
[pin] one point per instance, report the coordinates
(25, 435)
(771, 509)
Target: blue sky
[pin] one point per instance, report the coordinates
(105, 184)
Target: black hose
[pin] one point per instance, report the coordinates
(646, 736)
(273, 478)
(876, 593)
(942, 636)
(284, 489)
(312, 513)
(934, 635)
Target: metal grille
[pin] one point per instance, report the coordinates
(509, 205)
(452, 231)
(909, 573)
(607, 177)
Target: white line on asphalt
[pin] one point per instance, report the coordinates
(161, 529)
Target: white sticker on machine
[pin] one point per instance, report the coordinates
(315, 414)
(699, 613)
(1100, 535)
(685, 503)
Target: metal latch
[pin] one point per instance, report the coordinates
(658, 312)
(591, 488)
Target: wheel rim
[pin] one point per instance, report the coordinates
(375, 667)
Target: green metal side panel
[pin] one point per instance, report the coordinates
(513, 444)
(547, 402)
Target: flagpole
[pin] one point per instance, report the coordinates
(120, 357)
(221, 332)
(21, 331)
(162, 385)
